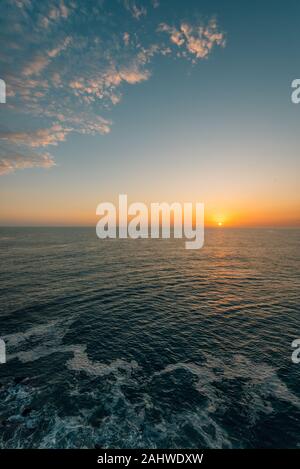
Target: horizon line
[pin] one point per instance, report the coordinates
(207, 226)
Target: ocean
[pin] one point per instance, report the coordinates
(144, 344)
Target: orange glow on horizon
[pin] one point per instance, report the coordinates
(229, 213)
(61, 217)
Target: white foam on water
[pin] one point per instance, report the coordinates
(43, 340)
(56, 328)
(81, 362)
(261, 383)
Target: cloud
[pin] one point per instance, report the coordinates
(59, 11)
(36, 66)
(105, 83)
(22, 3)
(134, 75)
(69, 64)
(126, 38)
(136, 11)
(60, 47)
(37, 138)
(40, 62)
(54, 12)
(196, 40)
(11, 162)
(85, 123)
(56, 79)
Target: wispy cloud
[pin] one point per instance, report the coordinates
(197, 40)
(70, 63)
(60, 47)
(137, 11)
(57, 11)
(36, 66)
(37, 138)
(14, 161)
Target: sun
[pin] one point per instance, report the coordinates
(219, 220)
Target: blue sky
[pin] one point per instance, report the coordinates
(162, 100)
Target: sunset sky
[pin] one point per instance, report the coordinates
(186, 101)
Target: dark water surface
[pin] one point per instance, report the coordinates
(142, 343)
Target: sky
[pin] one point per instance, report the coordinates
(165, 101)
